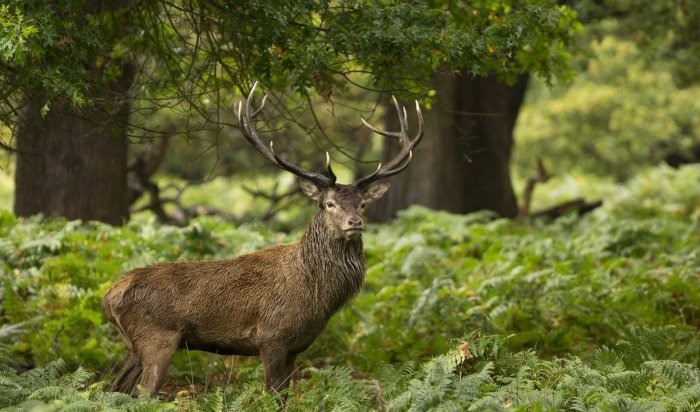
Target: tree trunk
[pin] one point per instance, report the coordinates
(73, 162)
(463, 163)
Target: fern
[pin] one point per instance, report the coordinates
(401, 402)
(391, 383)
(335, 390)
(576, 404)
(12, 307)
(469, 388)
(429, 389)
(457, 380)
(687, 399)
(488, 404)
(249, 396)
(52, 387)
(214, 402)
(433, 388)
(607, 361)
(428, 299)
(643, 344)
(447, 406)
(674, 373)
(629, 382)
(690, 352)
(519, 387)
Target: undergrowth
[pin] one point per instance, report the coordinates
(599, 312)
(479, 374)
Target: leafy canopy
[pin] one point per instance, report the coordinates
(186, 50)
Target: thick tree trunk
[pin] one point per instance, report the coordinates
(72, 162)
(463, 163)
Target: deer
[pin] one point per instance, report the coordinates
(272, 303)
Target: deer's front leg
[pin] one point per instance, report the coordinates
(278, 366)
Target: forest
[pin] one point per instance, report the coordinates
(538, 248)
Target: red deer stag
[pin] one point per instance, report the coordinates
(271, 303)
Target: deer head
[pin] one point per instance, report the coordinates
(342, 205)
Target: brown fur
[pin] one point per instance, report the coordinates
(271, 303)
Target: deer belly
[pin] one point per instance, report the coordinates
(237, 343)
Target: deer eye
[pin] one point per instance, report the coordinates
(330, 205)
(362, 205)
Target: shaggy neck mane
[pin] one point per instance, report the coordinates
(336, 266)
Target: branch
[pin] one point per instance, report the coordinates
(541, 177)
(278, 201)
(578, 206)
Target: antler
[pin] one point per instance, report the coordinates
(403, 158)
(247, 125)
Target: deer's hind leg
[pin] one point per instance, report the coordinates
(130, 373)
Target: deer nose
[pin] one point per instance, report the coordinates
(355, 222)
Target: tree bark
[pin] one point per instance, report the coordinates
(73, 162)
(463, 163)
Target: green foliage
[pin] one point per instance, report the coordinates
(14, 34)
(666, 30)
(55, 50)
(52, 387)
(508, 38)
(623, 113)
(457, 312)
(659, 192)
(188, 54)
(479, 374)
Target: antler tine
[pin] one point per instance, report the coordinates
(329, 168)
(369, 178)
(259, 109)
(317, 178)
(247, 125)
(403, 158)
(402, 120)
(393, 135)
(399, 168)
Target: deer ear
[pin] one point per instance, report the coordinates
(309, 189)
(375, 191)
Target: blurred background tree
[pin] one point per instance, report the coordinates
(620, 115)
(64, 86)
(82, 82)
(634, 101)
(464, 166)
(76, 71)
